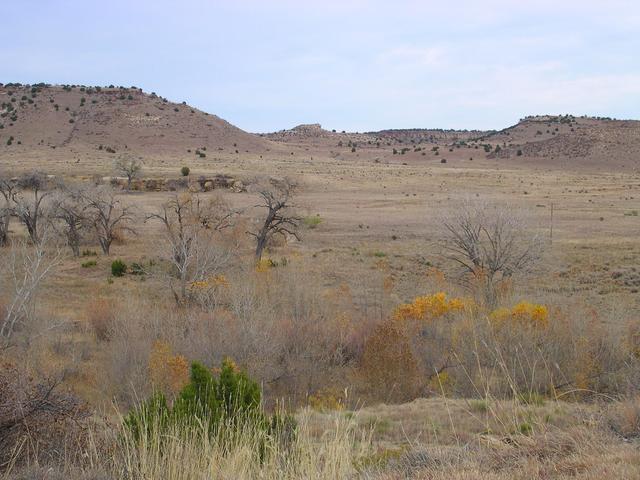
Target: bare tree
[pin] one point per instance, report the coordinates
(107, 215)
(71, 210)
(190, 225)
(276, 197)
(490, 245)
(26, 268)
(7, 188)
(128, 167)
(29, 208)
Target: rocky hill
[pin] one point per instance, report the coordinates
(55, 127)
(110, 119)
(570, 140)
(429, 135)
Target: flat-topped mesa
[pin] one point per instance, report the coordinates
(305, 130)
(308, 128)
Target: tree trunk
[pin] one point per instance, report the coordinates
(261, 243)
(32, 228)
(4, 228)
(73, 238)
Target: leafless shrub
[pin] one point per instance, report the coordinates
(101, 316)
(624, 417)
(37, 420)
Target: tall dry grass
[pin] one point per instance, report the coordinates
(239, 451)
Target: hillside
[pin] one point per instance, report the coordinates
(108, 120)
(549, 142)
(59, 126)
(429, 135)
(570, 141)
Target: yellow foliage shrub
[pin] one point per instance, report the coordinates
(264, 265)
(522, 314)
(429, 307)
(168, 372)
(215, 281)
(441, 383)
(329, 399)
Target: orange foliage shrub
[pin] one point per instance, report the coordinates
(522, 314)
(168, 372)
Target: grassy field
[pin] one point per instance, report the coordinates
(305, 326)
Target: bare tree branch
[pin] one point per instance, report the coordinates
(191, 226)
(280, 220)
(128, 167)
(107, 215)
(490, 245)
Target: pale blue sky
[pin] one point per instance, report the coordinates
(350, 64)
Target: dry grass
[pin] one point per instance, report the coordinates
(302, 329)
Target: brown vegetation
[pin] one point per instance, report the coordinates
(396, 362)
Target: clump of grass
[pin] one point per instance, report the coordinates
(531, 398)
(312, 221)
(240, 450)
(89, 264)
(479, 405)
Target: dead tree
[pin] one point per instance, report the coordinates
(107, 215)
(71, 210)
(128, 167)
(280, 219)
(7, 188)
(26, 268)
(190, 226)
(29, 208)
(491, 246)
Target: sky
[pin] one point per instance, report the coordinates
(353, 65)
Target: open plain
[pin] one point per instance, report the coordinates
(317, 321)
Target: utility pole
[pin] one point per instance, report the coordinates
(551, 225)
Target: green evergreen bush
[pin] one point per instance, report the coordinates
(233, 400)
(118, 268)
